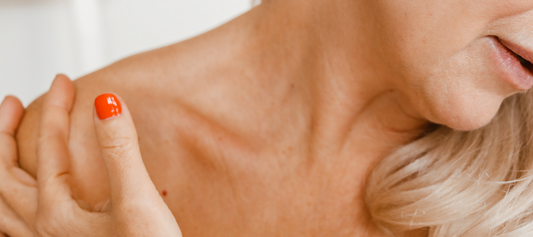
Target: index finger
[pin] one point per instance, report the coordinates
(52, 149)
(11, 112)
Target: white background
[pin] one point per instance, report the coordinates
(40, 38)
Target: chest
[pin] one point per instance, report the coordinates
(214, 184)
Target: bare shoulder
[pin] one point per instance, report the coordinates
(166, 83)
(139, 80)
(109, 79)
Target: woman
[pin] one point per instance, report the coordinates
(274, 123)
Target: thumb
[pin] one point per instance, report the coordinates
(119, 145)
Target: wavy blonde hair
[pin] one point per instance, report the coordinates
(461, 183)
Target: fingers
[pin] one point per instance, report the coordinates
(17, 188)
(52, 149)
(11, 224)
(19, 195)
(10, 114)
(118, 142)
(11, 111)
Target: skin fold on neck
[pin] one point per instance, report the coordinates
(312, 92)
(309, 64)
(310, 74)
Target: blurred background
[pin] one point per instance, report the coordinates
(40, 38)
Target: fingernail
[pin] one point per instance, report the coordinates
(107, 106)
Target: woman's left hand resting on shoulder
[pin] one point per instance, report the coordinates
(45, 207)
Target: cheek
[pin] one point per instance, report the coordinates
(439, 56)
(463, 92)
(416, 34)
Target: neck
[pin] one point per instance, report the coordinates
(303, 84)
(326, 74)
(326, 53)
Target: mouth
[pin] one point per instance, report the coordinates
(526, 64)
(524, 56)
(514, 63)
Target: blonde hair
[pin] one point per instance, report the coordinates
(461, 183)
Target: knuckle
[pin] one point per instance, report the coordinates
(117, 146)
(44, 141)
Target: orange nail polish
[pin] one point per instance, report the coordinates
(107, 106)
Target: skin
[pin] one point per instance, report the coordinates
(270, 124)
(135, 208)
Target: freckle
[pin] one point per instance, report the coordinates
(292, 86)
(164, 193)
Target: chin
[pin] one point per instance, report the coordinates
(466, 116)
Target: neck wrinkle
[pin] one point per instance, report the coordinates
(331, 55)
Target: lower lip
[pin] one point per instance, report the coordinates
(510, 68)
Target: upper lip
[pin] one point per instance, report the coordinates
(525, 53)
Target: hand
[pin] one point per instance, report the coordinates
(46, 207)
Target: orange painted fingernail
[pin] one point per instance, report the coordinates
(107, 106)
